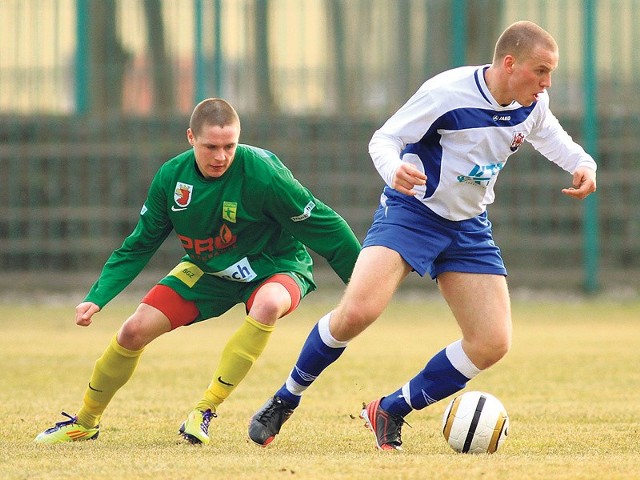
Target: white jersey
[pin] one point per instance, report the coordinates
(454, 131)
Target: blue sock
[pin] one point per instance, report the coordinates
(318, 352)
(439, 379)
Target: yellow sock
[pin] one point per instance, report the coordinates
(111, 371)
(241, 351)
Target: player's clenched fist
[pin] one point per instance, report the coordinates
(584, 183)
(84, 312)
(406, 177)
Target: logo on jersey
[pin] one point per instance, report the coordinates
(182, 194)
(240, 271)
(481, 175)
(206, 248)
(305, 214)
(225, 238)
(518, 139)
(229, 210)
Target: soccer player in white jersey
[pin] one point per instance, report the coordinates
(439, 156)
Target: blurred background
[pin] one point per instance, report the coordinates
(96, 94)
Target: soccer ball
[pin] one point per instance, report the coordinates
(475, 422)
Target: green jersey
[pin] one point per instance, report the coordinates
(247, 225)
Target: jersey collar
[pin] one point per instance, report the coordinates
(483, 88)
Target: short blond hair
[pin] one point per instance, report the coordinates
(520, 39)
(213, 111)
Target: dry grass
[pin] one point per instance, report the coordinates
(571, 386)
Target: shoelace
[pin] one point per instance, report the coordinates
(63, 423)
(399, 421)
(278, 407)
(206, 419)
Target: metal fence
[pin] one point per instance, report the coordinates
(96, 94)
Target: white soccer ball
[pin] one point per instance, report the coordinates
(475, 422)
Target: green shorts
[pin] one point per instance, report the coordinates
(214, 295)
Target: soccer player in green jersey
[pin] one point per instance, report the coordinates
(243, 221)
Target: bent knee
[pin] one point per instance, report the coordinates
(271, 302)
(347, 322)
(485, 353)
(496, 351)
(146, 324)
(132, 334)
(269, 310)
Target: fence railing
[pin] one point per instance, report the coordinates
(95, 95)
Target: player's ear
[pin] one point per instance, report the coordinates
(190, 137)
(508, 62)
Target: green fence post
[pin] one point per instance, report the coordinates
(82, 57)
(198, 55)
(217, 52)
(459, 27)
(591, 250)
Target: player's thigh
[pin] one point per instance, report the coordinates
(376, 276)
(480, 303)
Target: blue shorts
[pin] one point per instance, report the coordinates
(430, 243)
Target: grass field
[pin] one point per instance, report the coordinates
(571, 386)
